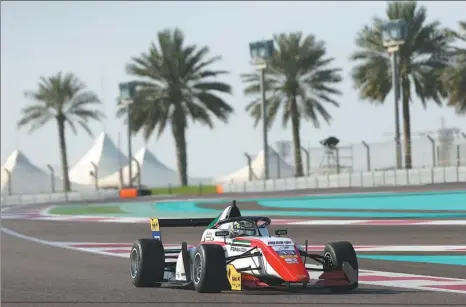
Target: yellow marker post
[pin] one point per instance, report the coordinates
(154, 224)
(234, 278)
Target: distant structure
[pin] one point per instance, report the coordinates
(447, 140)
(104, 156)
(334, 155)
(20, 176)
(283, 149)
(153, 173)
(278, 168)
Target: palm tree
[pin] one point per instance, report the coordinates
(176, 83)
(455, 76)
(65, 99)
(420, 62)
(299, 80)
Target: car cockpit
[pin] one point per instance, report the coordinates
(232, 220)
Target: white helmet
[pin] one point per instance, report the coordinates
(242, 228)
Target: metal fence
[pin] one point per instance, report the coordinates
(425, 153)
(454, 176)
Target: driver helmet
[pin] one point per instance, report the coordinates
(242, 228)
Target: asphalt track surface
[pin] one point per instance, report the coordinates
(34, 274)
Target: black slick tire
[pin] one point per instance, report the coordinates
(209, 268)
(150, 264)
(337, 253)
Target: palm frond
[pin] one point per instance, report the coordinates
(213, 86)
(36, 116)
(299, 69)
(59, 96)
(82, 99)
(86, 115)
(421, 57)
(199, 114)
(454, 79)
(72, 126)
(215, 105)
(176, 82)
(85, 127)
(373, 78)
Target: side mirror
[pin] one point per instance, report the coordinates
(222, 233)
(281, 232)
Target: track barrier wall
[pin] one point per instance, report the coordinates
(389, 178)
(386, 178)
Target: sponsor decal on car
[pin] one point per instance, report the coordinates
(208, 237)
(238, 249)
(286, 252)
(283, 247)
(291, 260)
(154, 224)
(241, 242)
(234, 278)
(288, 256)
(288, 242)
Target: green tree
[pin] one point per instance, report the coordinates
(176, 82)
(299, 80)
(65, 99)
(455, 75)
(420, 62)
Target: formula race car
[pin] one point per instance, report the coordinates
(238, 253)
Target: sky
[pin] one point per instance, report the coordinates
(95, 40)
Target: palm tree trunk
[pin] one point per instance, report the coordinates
(64, 157)
(296, 139)
(406, 124)
(181, 155)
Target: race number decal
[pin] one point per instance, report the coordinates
(234, 278)
(154, 224)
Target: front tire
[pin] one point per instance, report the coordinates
(337, 253)
(209, 268)
(147, 263)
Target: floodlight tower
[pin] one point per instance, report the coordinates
(394, 33)
(261, 51)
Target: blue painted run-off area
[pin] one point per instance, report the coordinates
(431, 202)
(435, 259)
(394, 201)
(376, 206)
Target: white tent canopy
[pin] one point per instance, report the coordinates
(278, 168)
(153, 173)
(23, 177)
(104, 154)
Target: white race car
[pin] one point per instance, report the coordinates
(238, 253)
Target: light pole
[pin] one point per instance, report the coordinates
(95, 174)
(52, 173)
(394, 34)
(308, 161)
(249, 165)
(260, 51)
(127, 91)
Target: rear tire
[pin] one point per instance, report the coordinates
(209, 268)
(147, 263)
(339, 252)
